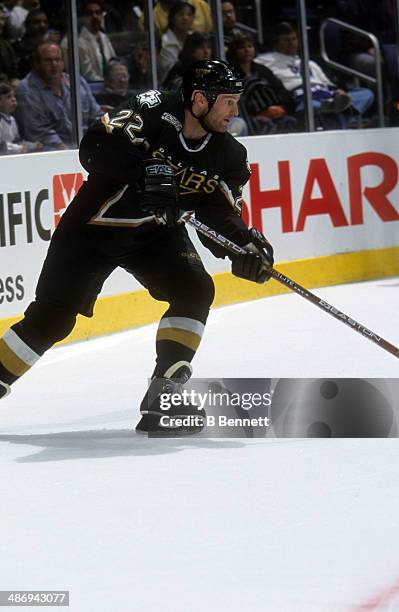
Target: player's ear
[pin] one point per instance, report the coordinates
(198, 97)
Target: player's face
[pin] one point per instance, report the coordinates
(222, 112)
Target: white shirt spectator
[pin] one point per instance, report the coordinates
(288, 69)
(10, 139)
(95, 50)
(16, 22)
(8, 128)
(171, 47)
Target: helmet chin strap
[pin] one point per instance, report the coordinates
(202, 122)
(201, 118)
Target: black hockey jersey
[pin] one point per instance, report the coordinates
(210, 177)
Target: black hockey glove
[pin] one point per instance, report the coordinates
(255, 264)
(160, 193)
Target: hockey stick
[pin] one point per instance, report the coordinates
(288, 282)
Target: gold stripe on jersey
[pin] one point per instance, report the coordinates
(187, 338)
(105, 121)
(125, 222)
(99, 219)
(105, 205)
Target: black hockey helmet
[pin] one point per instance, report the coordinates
(212, 77)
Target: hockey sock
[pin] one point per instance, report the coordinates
(16, 357)
(25, 342)
(20, 348)
(177, 340)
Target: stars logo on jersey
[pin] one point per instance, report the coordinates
(190, 181)
(149, 98)
(193, 180)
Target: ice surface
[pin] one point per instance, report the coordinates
(128, 524)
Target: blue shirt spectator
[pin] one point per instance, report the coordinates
(44, 101)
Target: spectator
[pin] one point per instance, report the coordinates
(378, 19)
(8, 60)
(31, 5)
(123, 22)
(139, 64)
(202, 20)
(12, 82)
(196, 47)
(44, 101)
(36, 29)
(230, 28)
(266, 103)
(10, 139)
(122, 15)
(115, 89)
(15, 19)
(95, 48)
(180, 23)
(285, 63)
(17, 12)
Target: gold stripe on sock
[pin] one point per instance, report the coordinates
(181, 336)
(11, 361)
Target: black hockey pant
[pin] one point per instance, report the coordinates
(72, 277)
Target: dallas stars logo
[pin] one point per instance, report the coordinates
(149, 98)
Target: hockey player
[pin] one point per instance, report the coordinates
(149, 163)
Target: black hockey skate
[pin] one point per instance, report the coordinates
(159, 416)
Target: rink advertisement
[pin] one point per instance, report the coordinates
(327, 202)
(325, 193)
